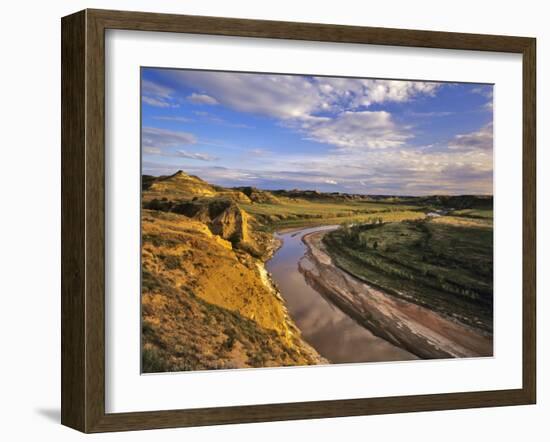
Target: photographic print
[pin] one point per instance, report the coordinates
(291, 220)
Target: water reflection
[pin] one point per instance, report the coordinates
(331, 332)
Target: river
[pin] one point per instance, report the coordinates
(325, 327)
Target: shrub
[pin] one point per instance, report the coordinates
(152, 361)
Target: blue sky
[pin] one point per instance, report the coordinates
(368, 136)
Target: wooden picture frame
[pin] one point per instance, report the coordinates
(83, 220)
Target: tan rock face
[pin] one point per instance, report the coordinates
(259, 196)
(197, 286)
(231, 224)
(216, 207)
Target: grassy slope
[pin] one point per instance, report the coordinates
(301, 212)
(474, 213)
(437, 264)
(204, 304)
(464, 221)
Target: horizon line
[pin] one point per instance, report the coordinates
(328, 193)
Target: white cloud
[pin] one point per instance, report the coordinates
(161, 142)
(155, 102)
(371, 153)
(430, 114)
(366, 129)
(400, 171)
(217, 120)
(153, 89)
(297, 96)
(328, 110)
(155, 138)
(157, 95)
(177, 119)
(403, 171)
(202, 99)
(280, 96)
(487, 92)
(195, 155)
(481, 139)
(380, 91)
(258, 152)
(151, 150)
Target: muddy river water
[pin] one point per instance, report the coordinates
(330, 331)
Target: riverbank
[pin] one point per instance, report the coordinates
(208, 304)
(333, 333)
(294, 335)
(412, 327)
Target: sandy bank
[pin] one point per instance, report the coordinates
(417, 329)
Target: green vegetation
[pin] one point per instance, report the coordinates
(206, 303)
(444, 267)
(474, 213)
(297, 212)
(270, 211)
(450, 202)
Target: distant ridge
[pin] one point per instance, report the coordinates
(181, 184)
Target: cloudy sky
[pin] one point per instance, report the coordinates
(324, 133)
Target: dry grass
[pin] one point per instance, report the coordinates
(204, 304)
(462, 221)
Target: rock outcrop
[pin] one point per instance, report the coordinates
(232, 225)
(207, 305)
